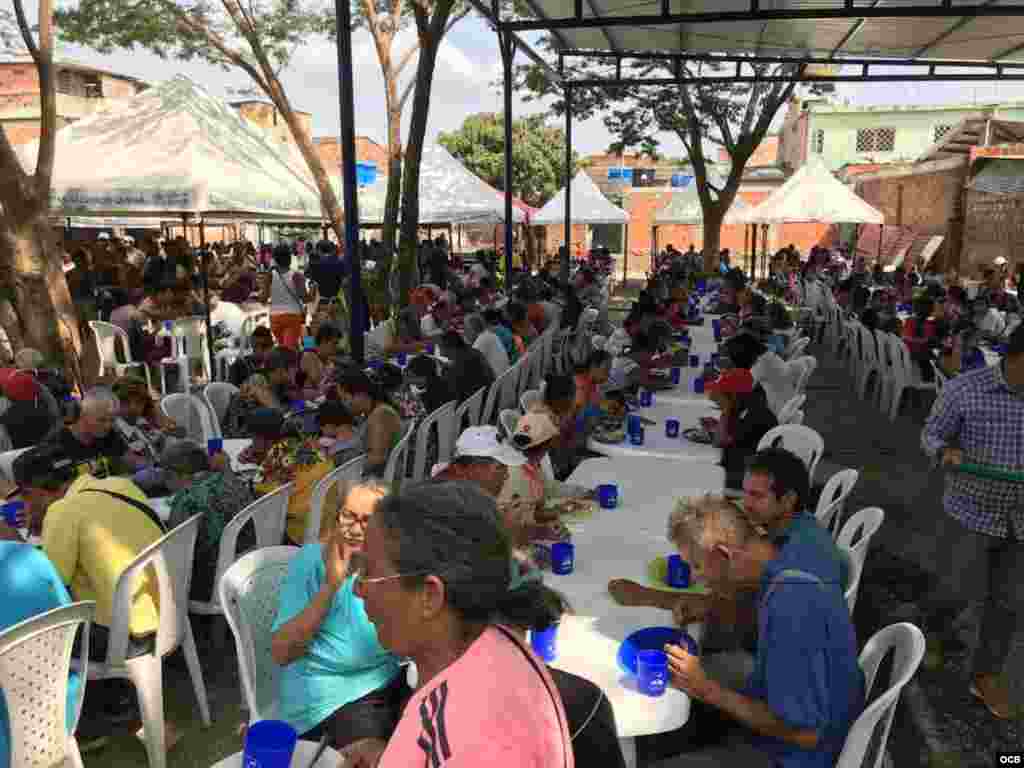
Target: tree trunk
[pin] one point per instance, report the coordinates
(46, 314)
(393, 196)
(430, 31)
(531, 247)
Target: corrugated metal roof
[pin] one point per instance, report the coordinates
(1000, 177)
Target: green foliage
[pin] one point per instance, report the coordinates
(538, 154)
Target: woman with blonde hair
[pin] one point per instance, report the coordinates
(336, 679)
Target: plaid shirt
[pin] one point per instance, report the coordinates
(984, 417)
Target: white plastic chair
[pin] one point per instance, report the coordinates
(797, 348)
(218, 396)
(907, 644)
(107, 335)
(35, 662)
(171, 559)
(560, 351)
(248, 591)
(398, 458)
(509, 418)
(906, 376)
(940, 378)
(268, 515)
(807, 365)
(193, 414)
(856, 568)
(498, 395)
(344, 476)
(188, 345)
(7, 463)
(832, 501)
(788, 412)
(470, 409)
(869, 363)
(866, 523)
(443, 419)
(231, 316)
(798, 439)
(529, 397)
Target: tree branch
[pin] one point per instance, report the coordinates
(406, 58)
(47, 105)
(405, 93)
(12, 176)
(26, 31)
(217, 42)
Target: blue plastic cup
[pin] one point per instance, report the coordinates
(563, 558)
(430, 349)
(633, 423)
(678, 572)
(545, 642)
(401, 359)
(652, 672)
(215, 445)
(677, 375)
(716, 325)
(701, 286)
(716, 360)
(637, 438)
(375, 365)
(698, 385)
(671, 428)
(11, 510)
(269, 744)
(608, 495)
(695, 361)
(298, 406)
(646, 398)
(168, 325)
(308, 342)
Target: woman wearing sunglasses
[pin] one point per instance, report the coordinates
(335, 677)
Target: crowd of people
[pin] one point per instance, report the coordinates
(442, 572)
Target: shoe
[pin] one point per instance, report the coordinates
(991, 690)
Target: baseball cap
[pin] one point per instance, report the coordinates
(18, 385)
(45, 464)
(534, 429)
(735, 381)
(485, 442)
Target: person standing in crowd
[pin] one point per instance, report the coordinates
(491, 346)
(288, 294)
(978, 419)
(435, 595)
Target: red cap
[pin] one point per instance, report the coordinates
(17, 385)
(735, 381)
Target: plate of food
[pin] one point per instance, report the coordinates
(605, 434)
(572, 508)
(698, 435)
(657, 578)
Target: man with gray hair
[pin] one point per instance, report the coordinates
(806, 688)
(92, 439)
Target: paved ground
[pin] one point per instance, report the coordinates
(937, 722)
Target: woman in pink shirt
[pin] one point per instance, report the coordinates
(438, 573)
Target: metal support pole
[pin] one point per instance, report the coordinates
(343, 16)
(206, 296)
(508, 53)
(564, 267)
(881, 237)
(625, 252)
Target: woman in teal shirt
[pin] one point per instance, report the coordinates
(335, 677)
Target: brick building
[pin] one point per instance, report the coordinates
(81, 91)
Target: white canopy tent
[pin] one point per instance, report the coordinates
(813, 194)
(587, 205)
(174, 150)
(449, 194)
(684, 207)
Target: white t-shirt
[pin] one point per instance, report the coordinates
(490, 346)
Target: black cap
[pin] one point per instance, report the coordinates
(47, 464)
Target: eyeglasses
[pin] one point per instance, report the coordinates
(360, 578)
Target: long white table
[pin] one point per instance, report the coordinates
(656, 444)
(614, 544)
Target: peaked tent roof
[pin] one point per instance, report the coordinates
(449, 194)
(813, 194)
(684, 207)
(588, 205)
(174, 149)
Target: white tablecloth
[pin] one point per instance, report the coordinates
(614, 544)
(689, 414)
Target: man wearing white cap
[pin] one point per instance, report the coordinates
(482, 458)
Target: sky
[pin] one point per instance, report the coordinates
(468, 69)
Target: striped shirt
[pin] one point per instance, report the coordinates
(984, 417)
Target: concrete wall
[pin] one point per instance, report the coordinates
(993, 227)
(766, 154)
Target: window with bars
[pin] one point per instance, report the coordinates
(818, 141)
(939, 131)
(876, 139)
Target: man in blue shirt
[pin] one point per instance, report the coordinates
(806, 688)
(30, 585)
